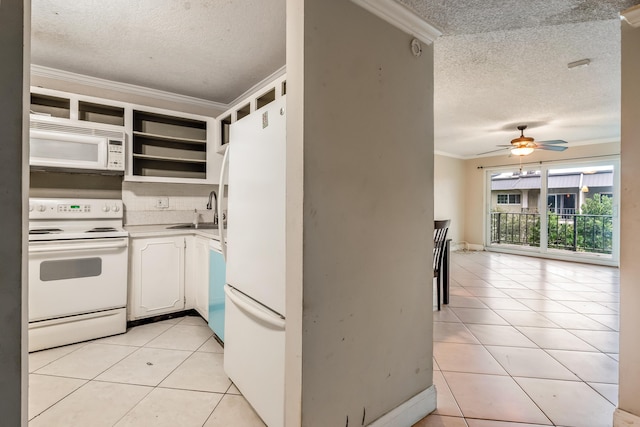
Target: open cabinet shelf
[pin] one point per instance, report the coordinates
(166, 146)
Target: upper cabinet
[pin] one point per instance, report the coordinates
(61, 105)
(167, 147)
(160, 145)
(240, 110)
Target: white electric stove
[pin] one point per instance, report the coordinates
(78, 258)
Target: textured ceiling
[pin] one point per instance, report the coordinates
(499, 63)
(210, 49)
(473, 16)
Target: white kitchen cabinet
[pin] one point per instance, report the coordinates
(242, 109)
(171, 147)
(162, 145)
(75, 107)
(197, 285)
(157, 276)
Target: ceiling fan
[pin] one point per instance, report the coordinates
(525, 145)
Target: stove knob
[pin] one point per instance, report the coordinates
(115, 208)
(105, 208)
(42, 208)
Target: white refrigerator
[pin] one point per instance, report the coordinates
(255, 260)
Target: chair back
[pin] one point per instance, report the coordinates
(440, 229)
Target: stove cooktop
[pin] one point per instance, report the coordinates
(69, 219)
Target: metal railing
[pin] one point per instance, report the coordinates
(573, 232)
(563, 211)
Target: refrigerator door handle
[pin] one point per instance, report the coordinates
(223, 242)
(254, 309)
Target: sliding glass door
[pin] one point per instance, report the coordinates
(515, 209)
(562, 211)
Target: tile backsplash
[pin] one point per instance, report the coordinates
(141, 203)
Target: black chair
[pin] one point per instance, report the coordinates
(440, 229)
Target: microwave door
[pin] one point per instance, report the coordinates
(67, 150)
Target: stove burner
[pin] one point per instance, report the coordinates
(101, 230)
(45, 231)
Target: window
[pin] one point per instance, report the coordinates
(508, 199)
(562, 204)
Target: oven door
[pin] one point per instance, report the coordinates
(76, 276)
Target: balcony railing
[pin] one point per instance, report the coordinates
(573, 232)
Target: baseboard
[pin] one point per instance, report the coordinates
(625, 419)
(474, 247)
(410, 412)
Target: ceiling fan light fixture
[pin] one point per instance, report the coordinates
(522, 151)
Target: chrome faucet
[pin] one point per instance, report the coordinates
(214, 196)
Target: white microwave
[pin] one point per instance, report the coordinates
(77, 146)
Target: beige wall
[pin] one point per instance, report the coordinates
(367, 112)
(476, 178)
(629, 390)
(449, 195)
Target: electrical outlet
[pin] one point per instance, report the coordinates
(162, 202)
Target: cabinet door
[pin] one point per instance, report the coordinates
(201, 276)
(157, 276)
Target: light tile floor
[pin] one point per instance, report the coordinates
(526, 342)
(168, 373)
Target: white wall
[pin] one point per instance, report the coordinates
(449, 195)
(629, 390)
(140, 203)
(363, 112)
(14, 57)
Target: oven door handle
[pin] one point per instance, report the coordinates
(77, 247)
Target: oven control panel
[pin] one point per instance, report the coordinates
(74, 208)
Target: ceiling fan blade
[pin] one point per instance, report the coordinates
(504, 145)
(552, 147)
(553, 141)
(493, 151)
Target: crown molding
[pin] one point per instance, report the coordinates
(262, 83)
(632, 16)
(401, 17)
(451, 155)
(40, 71)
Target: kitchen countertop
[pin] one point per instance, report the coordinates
(154, 230)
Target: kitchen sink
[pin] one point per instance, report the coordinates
(201, 226)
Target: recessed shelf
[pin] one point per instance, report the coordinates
(167, 146)
(168, 159)
(52, 106)
(243, 112)
(266, 99)
(157, 137)
(99, 113)
(224, 130)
